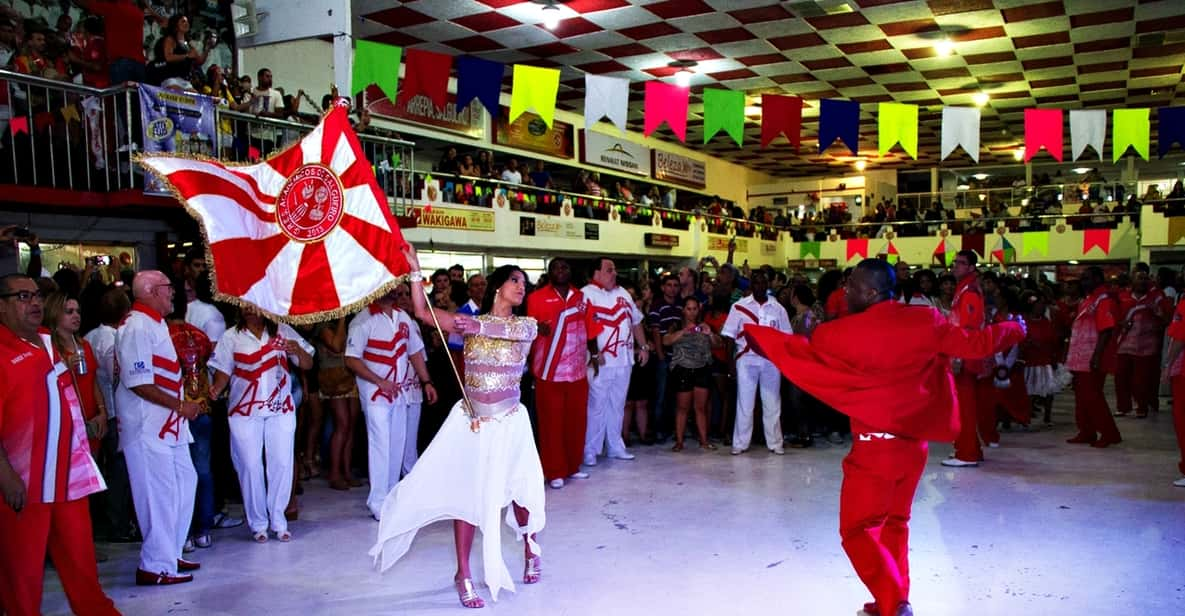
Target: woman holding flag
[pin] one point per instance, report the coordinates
(484, 456)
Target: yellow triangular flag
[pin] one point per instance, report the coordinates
(897, 122)
(69, 113)
(1035, 241)
(534, 89)
(1129, 127)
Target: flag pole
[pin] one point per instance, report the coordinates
(474, 422)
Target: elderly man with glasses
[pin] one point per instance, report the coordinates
(154, 431)
(46, 470)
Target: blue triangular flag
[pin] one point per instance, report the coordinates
(839, 120)
(480, 79)
(1171, 126)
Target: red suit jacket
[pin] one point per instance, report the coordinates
(887, 367)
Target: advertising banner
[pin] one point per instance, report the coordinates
(615, 153)
(176, 123)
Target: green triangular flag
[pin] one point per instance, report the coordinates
(378, 64)
(724, 109)
(1129, 127)
(897, 122)
(1035, 241)
(396, 158)
(809, 248)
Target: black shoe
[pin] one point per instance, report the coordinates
(801, 442)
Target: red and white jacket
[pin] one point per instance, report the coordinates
(41, 425)
(1096, 314)
(612, 315)
(145, 355)
(561, 357)
(260, 383)
(385, 344)
(748, 312)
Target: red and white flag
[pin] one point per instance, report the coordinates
(303, 236)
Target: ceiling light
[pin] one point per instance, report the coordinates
(682, 71)
(752, 110)
(551, 16)
(944, 47)
(1072, 262)
(963, 187)
(981, 176)
(980, 99)
(1018, 154)
(1081, 170)
(861, 165)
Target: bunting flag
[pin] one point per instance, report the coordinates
(1096, 237)
(960, 127)
(1087, 127)
(606, 97)
(19, 124)
(944, 253)
(839, 120)
(480, 79)
(376, 63)
(1170, 127)
(806, 249)
(973, 241)
(1130, 128)
(1003, 251)
(897, 123)
(534, 88)
(304, 236)
(781, 115)
(43, 120)
(427, 73)
(1043, 128)
(857, 248)
(1176, 229)
(889, 253)
(70, 114)
(724, 110)
(666, 102)
(1035, 242)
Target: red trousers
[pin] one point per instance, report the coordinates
(880, 477)
(562, 411)
(65, 530)
(967, 444)
(1091, 412)
(995, 404)
(1178, 383)
(1136, 377)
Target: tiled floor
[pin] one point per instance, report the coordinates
(1042, 528)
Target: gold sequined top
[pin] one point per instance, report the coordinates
(495, 357)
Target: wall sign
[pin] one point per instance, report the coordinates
(661, 240)
(420, 110)
(454, 218)
(678, 169)
(615, 153)
(529, 132)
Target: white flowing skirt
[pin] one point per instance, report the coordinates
(1042, 381)
(471, 477)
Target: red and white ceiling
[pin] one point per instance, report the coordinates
(1071, 54)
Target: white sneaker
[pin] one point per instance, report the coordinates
(623, 456)
(556, 483)
(590, 460)
(203, 541)
(957, 463)
(778, 451)
(1180, 483)
(578, 475)
(737, 452)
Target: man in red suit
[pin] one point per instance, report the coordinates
(967, 312)
(887, 366)
(1093, 326)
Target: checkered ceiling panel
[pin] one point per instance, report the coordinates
(1071, 54)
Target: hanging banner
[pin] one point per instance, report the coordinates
(420, 109)
(175, 123)
(678, 169)
(614, 153)
(529, 132)
(436, 217)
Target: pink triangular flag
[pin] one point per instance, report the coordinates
(1043, 127)
(666, 102)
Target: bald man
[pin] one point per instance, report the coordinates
(887, 366)
(154, 431)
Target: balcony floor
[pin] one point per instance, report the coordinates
(1042, 528)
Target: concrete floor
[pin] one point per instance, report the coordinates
(1041, 528)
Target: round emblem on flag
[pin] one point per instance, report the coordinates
(309, 205)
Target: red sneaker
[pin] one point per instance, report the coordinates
(187, 565)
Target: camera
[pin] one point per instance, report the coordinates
(102, 259)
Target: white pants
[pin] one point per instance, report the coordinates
(606, 410)
(386, 437)
(254, 441)
(411, 453)
(164, 484)
(753, 373)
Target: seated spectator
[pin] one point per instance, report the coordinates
(174, 58)
(449, 163)
(35, 61)
(89, 55)
(468, 167)
(511, 174)
(8, 41)
(485, 164)
(540, 177)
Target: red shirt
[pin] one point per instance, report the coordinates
(124, 28)
(563, 355)
(836, 305)
(967, 312)
(1140, 322)
(1041, 343)
(886, 367)
(1176, 331)
(41, 426)
(1096, 314)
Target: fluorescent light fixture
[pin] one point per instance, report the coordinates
(981, 176)
(1081, 170)
(1072, 262)
(963, 187)
(944, 47)
(980, 98)
(982, 197)
(551, 16)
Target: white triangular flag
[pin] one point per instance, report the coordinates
(606, 97)
(960, 126)
(1087, 127)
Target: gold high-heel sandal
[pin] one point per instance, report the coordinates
(467, 595)
(532, 570)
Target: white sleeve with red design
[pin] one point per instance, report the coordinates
(223, 359)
